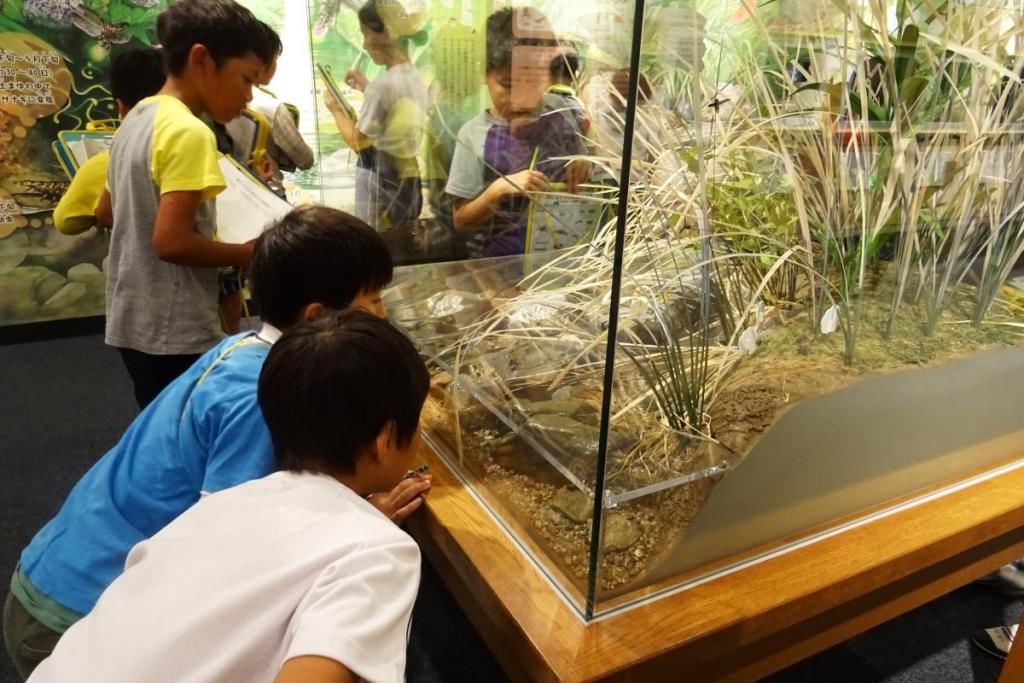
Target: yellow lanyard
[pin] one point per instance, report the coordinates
(244, 341)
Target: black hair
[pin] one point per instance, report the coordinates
(315, 254)
(331, 385)
(565, 67)
(224, 27)
(274, 44)
(136, 74)
(500, 40)
(501, 37)
(369, 16)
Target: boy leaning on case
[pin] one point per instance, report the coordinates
(204, 433)
(293, 577)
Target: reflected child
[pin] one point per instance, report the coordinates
(389, 131)
(514, 148)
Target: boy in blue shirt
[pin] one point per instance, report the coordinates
(203, 433)
(295, 576)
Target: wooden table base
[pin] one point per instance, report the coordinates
(741, 626)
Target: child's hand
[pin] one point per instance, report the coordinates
(333, 106)
(518, 183)
(266, 170)
(577, 173)
(404, 499)
(356, 79)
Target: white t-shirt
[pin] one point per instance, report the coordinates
(394, 111)
(288, 565)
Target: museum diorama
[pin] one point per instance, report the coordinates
(742, 283)
(790, 318)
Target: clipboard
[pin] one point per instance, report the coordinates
(74, 147)
(64, 159)
(556, 220)
(246, 207)
(332, 87)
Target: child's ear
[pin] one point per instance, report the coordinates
(311, 311)
(198, 56)
(384, 445)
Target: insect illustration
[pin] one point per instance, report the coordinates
(48, 190)
(329, 12)
(96, 26)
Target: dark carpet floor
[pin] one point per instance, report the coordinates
(65, 398)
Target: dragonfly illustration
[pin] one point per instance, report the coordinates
(96, 26)
(47, 190)
(329, 12)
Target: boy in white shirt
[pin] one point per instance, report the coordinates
(294, 576)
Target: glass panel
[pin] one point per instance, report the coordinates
(518, 342)
(823, 200)
(818, 193)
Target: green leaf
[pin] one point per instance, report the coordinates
(911, 90)
(823, 87)
(13, 11)
(904, 63)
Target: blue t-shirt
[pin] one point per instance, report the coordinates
(203, 433)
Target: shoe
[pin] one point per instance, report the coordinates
(996, 641)
(1008, 580)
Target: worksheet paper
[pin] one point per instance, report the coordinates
(246, 207)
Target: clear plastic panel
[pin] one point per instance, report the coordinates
(819, 196)
(817, 193)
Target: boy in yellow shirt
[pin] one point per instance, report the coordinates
(162, 270)
(134, 76)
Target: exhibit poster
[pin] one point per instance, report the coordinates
(54, 67)
(54, 59)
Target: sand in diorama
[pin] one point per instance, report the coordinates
(896, 434)
(648, 537)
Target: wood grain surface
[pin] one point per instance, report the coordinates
(740, 626)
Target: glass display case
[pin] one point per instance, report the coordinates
(698, 281)
(790, 320)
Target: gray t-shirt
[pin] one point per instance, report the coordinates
(154, 306)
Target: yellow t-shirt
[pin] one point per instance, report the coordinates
(76, 210)
(155, 306)
(183, 150)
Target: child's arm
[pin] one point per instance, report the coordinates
(346, 126)
(313, 669)
(77, 210)
(470, 213)
(176, 241)
(105, 210)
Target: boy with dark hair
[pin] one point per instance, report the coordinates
(203, 434)
(294, 577)
(161, 274)
(134, 76)
(509, 151)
